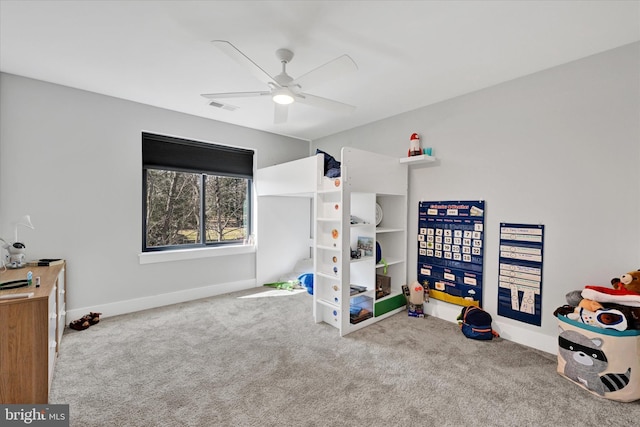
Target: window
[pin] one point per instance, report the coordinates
(195, 194)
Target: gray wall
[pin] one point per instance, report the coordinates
(560, 148)
(72, 160)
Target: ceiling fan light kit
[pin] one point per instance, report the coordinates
(284, 89)
(282, 97)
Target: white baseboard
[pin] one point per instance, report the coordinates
(139, 304)
(542, 342)
(507, 331)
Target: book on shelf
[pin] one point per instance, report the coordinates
(355, 289)
(45, 262)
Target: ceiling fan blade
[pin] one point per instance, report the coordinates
(234, 95)
(329, 71)
(328, 104)
(242, 59)
(281, 113)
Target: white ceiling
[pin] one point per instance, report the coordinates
(409, 53)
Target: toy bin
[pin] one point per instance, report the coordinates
(604, 362)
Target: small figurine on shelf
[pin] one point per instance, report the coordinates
(414, 146)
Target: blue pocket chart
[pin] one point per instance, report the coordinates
(520, 272)
(450, 250)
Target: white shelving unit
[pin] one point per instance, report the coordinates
(367, 178)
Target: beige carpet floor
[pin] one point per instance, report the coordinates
(233, 361)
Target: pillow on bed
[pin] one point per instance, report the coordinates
(331, 165)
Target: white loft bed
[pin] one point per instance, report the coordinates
(285, 202)
(295, 178)
(362, 170)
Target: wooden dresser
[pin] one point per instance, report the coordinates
(30, 334)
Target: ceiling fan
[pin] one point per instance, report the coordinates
(283, 89)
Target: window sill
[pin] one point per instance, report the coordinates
(186, 254)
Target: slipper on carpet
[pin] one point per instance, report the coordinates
(85, 321)
(80, 324)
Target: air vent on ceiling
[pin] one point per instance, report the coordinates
(227, 107)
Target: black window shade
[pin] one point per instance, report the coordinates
(170, 153)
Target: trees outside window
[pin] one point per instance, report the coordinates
(225, 208)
